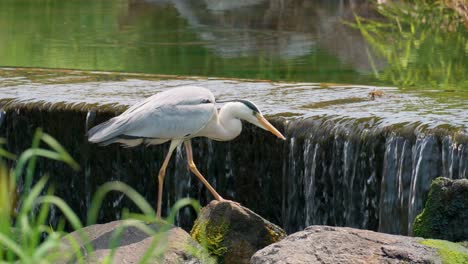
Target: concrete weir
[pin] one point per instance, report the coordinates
(350, 159)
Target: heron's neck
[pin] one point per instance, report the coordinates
(229, 126)
(224, 125)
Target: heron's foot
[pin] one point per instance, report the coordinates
(229, 201)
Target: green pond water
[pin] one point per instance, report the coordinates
(249, 39)
(294, 40)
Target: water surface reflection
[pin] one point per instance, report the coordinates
(294, 40)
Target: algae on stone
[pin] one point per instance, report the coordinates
(211, 236)
(233, 233)
(451, 253)
(446, 211)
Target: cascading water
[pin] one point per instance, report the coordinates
(353, 173)
(339, 166)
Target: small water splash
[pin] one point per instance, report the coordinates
(90, 119)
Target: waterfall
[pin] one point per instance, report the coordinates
(355, 173)
(331, 170)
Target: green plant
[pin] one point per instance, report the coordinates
(423, 42)
(25, 235)
(21, 232)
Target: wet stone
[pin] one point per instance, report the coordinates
(326, 244)
(233, 233)
(173, 245)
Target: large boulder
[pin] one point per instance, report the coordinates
(233, 233)
(325, 244)
(173, 244)
(445, 215)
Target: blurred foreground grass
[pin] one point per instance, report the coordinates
(26, 236)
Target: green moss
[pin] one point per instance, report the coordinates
(420, 227)
(445, 211)
(211, 236)
(450, 252)
(200, 253)
(275, 233)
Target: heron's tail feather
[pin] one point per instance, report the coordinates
(106, 142)
(105, 133)
(112, 131)
(126, 143)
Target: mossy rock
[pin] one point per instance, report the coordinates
(451, 253)
(233, 233)
(446, 211)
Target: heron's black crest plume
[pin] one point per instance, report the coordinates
(245, 102)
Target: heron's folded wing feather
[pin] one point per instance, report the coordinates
(166, 122)
(176, 113)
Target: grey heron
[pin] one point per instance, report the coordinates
(178, 115)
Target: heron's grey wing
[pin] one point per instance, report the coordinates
(175, 113)
(167, 122)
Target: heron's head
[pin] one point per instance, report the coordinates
(249, 112)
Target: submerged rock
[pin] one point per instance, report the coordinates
(173, 244)
(232, 232)
(325, 244)
(445, 215)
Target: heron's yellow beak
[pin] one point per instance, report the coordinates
(269, 126)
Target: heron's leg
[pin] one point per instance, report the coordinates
(162, 173)
(193, 168)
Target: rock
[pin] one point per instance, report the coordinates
(325, 244)
(175, 245)
(450, 252)
(233, 233)
(446, 212)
